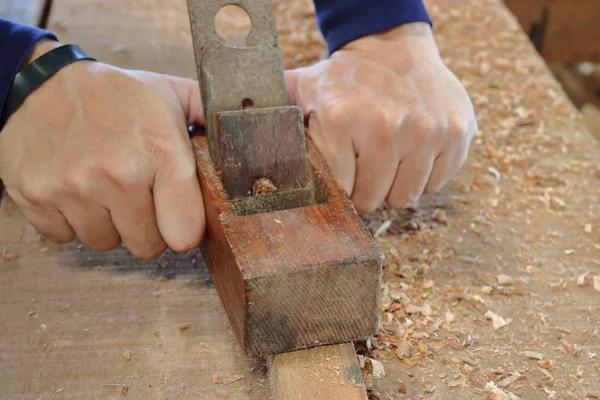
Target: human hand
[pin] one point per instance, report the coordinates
(104, 154)
(390, 118)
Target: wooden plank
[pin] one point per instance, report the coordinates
(294, 278)
(30, 12)
(572, 31)
(321, 373)
(81, 325)
(443, 255)
(71, 318)
(159, 41)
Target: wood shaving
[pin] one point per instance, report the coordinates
(509, 380)
(184, 327)
(497, 321)
(546, 364)
(403, 350)
(581, 279)
(495, 393)
(423, 310)
(597, 283)
(126, 355)
(402, 388)
(233, 379)
(377, 369)
(7, 255)
(533, 354)
(263, 186)
(505, 280)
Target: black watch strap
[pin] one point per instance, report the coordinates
(37, 72)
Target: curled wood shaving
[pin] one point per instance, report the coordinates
(533, 354)
(263, 186)
(509, 380)
(505, 280)
(581, 278)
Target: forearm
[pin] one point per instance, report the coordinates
(16, 44)
(343, 21)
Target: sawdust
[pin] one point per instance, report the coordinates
(511, 237)
(524, 206)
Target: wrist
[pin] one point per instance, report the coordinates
(41, 48)
(45, 60)
(404, 37)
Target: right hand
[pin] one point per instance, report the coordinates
(104, 154)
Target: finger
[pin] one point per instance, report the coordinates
(178, 202)
(134, 216)
(92, 224)
(452, 159)
(410, 181)
(339, 154)
(49, 222)
(188, 91)
(376, 166)
(291, 82)
(445, 168)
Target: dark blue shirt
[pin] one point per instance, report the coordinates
(340, 21)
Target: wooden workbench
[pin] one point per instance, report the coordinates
(79, 325)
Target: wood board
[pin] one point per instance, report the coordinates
(520, 207)
(322, 373)
(30, 12)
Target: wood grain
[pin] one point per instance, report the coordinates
(75, 324)
(492, 227)
(572, 32)
(263, 143)
(321, 373)
(294, 278)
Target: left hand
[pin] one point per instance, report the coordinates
(392, 121)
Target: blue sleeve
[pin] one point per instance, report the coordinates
(16, 42)
(342, 21)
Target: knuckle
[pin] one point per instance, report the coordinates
(426, 127)
(386, 125)
(458, 128)
(336, 115)
(77, 182)
(123, 174)
(34, 191)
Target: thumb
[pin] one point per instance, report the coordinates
(188, 91)
(291, 82)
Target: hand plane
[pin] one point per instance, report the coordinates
(293, 263)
